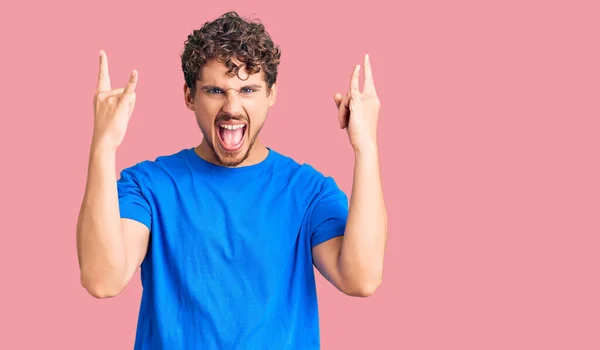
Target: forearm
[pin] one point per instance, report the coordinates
(362, 252)
(100, 244)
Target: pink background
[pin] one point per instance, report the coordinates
(489, 148)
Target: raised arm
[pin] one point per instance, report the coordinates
(354, 262)
(110, 249)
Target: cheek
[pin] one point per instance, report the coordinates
(205, 116)
(256, 111)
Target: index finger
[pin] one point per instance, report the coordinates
(103, 77)
(369, 85)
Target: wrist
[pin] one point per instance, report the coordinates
(365, 149)
(102, 146)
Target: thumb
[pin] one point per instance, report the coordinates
(343, 111)
(337, 98)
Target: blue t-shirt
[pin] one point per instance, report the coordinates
(229, 264)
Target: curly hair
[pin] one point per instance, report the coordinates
(226, 38)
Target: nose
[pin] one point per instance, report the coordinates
(233, 104)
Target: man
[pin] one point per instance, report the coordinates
(226, 233)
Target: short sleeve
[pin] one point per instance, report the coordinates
(132, 202)
(329, 215)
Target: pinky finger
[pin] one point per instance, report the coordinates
(130, 87)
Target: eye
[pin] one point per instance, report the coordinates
(247, 90)
(214, 91)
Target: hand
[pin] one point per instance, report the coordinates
(358, 111)
(112, 107)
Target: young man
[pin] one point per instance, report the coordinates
(226, 233)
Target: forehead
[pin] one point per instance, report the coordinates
(215, 73)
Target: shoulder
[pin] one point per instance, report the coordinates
(150, 170)
(304, 176)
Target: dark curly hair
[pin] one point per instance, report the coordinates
(226, 38)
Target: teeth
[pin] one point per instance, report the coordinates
(232, 127)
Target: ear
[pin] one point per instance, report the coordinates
(273, 94)
(189, 98)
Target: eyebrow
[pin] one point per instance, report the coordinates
(251, 86)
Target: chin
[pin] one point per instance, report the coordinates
(231, 159)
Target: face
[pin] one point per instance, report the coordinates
(230, 112)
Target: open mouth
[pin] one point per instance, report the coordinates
(231, 135)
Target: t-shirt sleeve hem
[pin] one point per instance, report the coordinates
(325, 234)
(135, 212)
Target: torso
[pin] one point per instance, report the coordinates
(229, 264)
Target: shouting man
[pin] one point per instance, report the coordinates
(227, 233)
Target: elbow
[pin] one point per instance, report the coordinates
(363, 289)
(366, 290)
(101, 289)
(360, 281)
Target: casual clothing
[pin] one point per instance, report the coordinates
(229, 264)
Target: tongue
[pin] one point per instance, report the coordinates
(232, 137)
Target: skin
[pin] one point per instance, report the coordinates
(220, 97)
(110, 249)
(353, 263)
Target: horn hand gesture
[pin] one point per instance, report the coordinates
(112, 107)
(358, 111)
